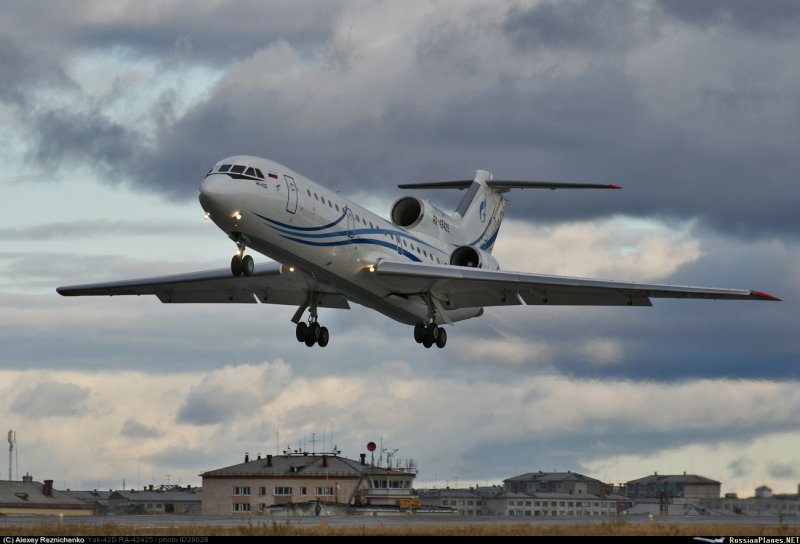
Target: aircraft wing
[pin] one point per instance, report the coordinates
(462, 287)
(268, 284)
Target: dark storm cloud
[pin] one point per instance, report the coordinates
(741, 467)
(218, 33)
(52, 399)
(725, 154)
(571, 24)
(134, 429)
(767, 17)
(784, 471)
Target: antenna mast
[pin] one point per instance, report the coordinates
(12, 439)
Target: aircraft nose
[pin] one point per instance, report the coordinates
(211, 190)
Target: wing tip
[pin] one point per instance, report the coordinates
(612, 186)
(760, 295)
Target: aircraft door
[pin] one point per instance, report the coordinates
(351, 224)
(291, 188)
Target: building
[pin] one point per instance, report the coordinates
(29, 498)
(510, 503)
(465, 502)
(98, 500)
(555, 482)
(669, 487)
(161, 500)
(764, 503)
(256, 486)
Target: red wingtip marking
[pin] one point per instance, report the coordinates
(764, 296)
(615, 186)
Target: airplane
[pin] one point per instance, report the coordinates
(424, 267)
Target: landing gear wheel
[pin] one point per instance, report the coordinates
(310, 340)
(324, 336)
(301, 331)
(248, 266)
(314, 330)
(441, 338)
(419, 332)
(429, 336)
(237, 268)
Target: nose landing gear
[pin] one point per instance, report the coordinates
(241, 264)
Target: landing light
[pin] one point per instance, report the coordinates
(206, 215)
(237, 216)
(291, 269)
(371, 268)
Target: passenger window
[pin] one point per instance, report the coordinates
(238, 169)
(322, 198)
(308, 191)
(337, 207)
(370, 225)
(250, 172)
(330, 204)
(259, 175)
(224, 167)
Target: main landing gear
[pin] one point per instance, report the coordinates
(430, 334)
(310, 333)
(241, 264)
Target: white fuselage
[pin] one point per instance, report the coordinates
(334, 241)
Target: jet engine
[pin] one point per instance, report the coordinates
(474, 258)
(419, 215)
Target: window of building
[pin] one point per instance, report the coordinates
(303, 491)
(519, 503)
(262, 507)
(241, 490)
(150, 505)
(283, 491)
(262, 491)
(241, 507)
(325, 491)
(445, 502)
(511, 503)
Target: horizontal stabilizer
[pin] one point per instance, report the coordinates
(505, 185)
(461, 184)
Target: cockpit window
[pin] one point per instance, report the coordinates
(224, 168)
(259, 175)
(238, 169)
(250, 172)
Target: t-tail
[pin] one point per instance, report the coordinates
(480, 212)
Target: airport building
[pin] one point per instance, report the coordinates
(555, 482)
(29, 498)
(262, 484)
(465, 502)
(764, 503)
(673, 486)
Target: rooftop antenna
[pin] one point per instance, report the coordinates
(313, 442)
(12, 439)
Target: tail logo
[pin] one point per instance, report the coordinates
(482, 211)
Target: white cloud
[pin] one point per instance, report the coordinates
(250, 402)
(611, 248)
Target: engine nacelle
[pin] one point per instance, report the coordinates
(416, 214)
(474, 258)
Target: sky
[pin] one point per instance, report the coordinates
(112, 112)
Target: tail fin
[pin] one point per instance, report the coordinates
(481, 210)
